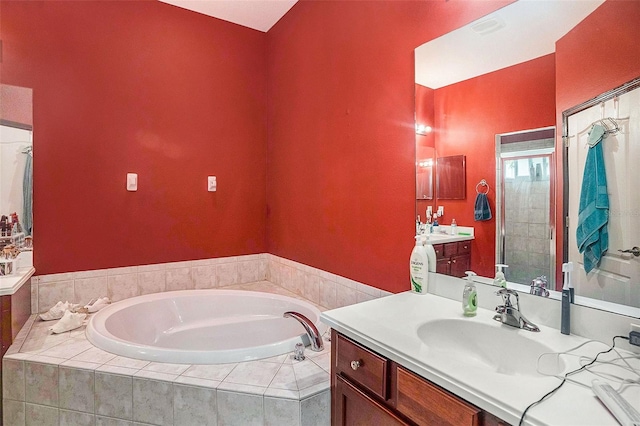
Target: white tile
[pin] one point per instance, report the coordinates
(41, 383)
(76, 389)
(239, 388)
(204, 276)
(114, 395)
(226, 274)
(76, 418)
(125, 270)
(187, 264)
(152, 401)
(151, 281)
(328, 293)
(282, 393)
(82, 365)
(309, 374)
(121, 361)
(316, 411)
(194, 381)
(13, 412)
(237, 409)
(167, 368)
(211, 372)
(112, 369)
(154, 375)
(95, 355)
(345, 296)
(278, 411)
(194, 406)
(41, 415)
(66, 276)
(285, 378)
(120, 287)
(13, 379)
(256, 373)
(178, 279)
(68, 349)
(323, 361)
(51, 293)
(363, 297)
(90, 274)
(108, 421)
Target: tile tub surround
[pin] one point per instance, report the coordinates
(318, 286)
(64, 379)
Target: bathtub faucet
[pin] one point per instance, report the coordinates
(310, 328)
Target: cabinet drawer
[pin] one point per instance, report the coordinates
(354, 407)
(427, 404)
(464, 247)
(362, 366)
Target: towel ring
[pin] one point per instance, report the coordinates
(480, 185)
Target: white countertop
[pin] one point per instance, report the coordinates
(389, 326)
(9, 284)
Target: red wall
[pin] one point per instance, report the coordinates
(599, 54)
(468, 116)
(142, 87)
(341, 132)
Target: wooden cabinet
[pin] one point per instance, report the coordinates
(453, 258)
(368, 389)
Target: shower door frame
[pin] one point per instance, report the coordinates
(500, 201)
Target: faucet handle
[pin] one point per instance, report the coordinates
(506, 294)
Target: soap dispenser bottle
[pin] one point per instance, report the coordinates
(469, 296)
(454, 227)
(500, 280)
(419, 266)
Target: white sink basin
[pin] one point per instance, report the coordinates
(489, 345)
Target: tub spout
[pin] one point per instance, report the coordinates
(310, 328)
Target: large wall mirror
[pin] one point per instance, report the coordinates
(517, 70)
(16, 159)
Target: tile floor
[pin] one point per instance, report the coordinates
(65, 380)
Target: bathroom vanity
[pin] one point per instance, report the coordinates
(368, 388)
(415, 359)
(453, 253)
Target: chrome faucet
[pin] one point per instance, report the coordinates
(539, 286)
(310, 328)
(509, 314)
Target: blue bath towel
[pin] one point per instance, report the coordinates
(482, 211)
(593, 211)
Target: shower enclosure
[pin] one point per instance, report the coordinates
(525, 229)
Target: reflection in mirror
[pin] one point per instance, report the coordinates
(526, 205)
(616, 277)
(514, 80)
(424, 173)
(451, 178)
(16, 166)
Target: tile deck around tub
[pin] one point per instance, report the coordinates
(44, 370)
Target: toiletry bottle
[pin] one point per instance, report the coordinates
(419, 267)
(565, 318)
(500, 280)
(435, 222)
(469, 296)
(454, 227)
(418, 225)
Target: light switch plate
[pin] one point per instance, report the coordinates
(212, 184)
(132, 181)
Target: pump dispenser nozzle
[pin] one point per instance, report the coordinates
(500, 280)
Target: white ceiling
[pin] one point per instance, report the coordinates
(529, 30)
(257, 14)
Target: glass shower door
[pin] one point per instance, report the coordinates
(527, 217)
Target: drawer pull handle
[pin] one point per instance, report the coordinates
(355, 365)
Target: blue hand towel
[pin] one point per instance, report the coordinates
(482, 210)
(593, 211)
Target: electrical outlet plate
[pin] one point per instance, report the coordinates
(212, 184)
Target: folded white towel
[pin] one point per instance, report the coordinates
(69, 321)
(98, 304)
(56, 312)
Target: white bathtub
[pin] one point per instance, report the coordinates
(201, 326)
